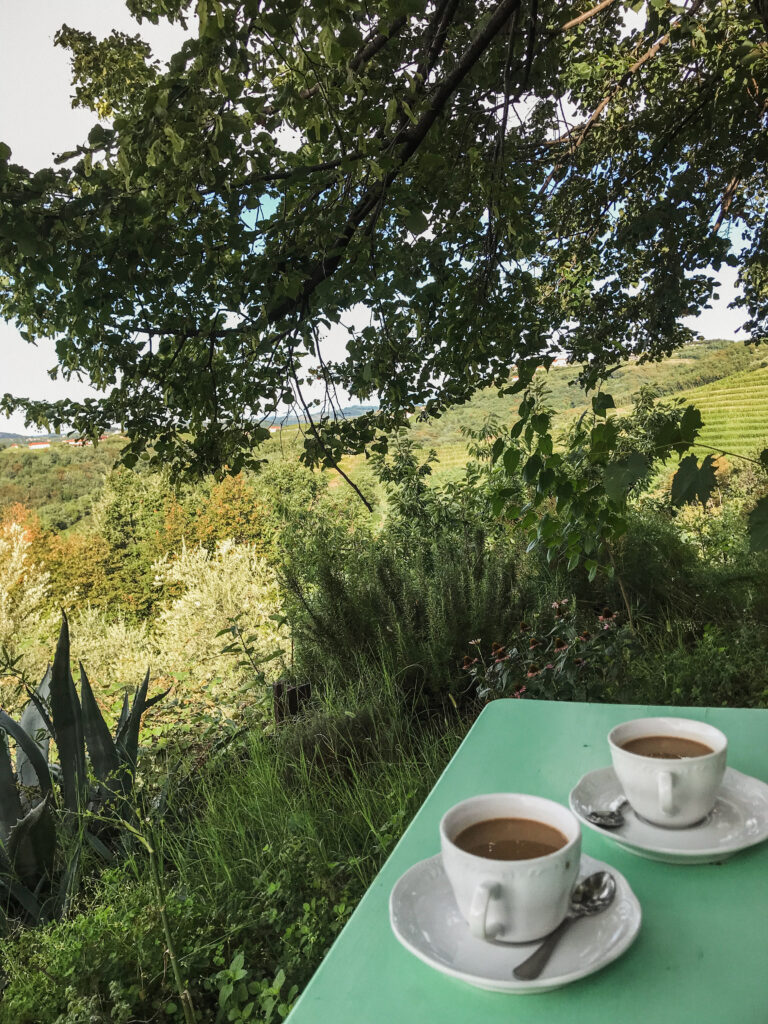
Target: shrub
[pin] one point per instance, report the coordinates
(24, 590)
(211, 589)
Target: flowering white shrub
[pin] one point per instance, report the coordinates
(115, 652)
(23, 595)
(213, 589)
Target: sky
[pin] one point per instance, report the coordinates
(37, 121)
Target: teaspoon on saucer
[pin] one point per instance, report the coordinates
(610, 818)
(591, 896)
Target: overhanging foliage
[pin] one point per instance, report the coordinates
(491, 180)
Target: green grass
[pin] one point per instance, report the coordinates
(266, 848)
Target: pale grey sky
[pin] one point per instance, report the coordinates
(37, 121)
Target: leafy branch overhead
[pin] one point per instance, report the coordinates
(489, 182)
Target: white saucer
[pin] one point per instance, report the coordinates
(426, 920)
(738, 820)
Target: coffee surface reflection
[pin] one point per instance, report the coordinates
(510, 839)
(667, 747)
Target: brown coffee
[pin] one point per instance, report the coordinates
(666, 746)
(510, 839)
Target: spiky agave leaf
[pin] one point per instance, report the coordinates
(67, 887)
(101, 747)
(124, 712)
(30, 749)
(127, 730)
(128, 740)
(67, 722)
(31, 846)
(37, 727)
(10, 805)
(19, 892)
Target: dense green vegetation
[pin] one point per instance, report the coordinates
(324, 664)
(321, 649)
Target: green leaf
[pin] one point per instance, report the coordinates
(758, 526)
(620, 477)
(692, 482)
(531, 468)
(763, 458)
(690, 425)
(202, 14)
(511, 461)
(602, 402)
(416, 222)
(5, 152)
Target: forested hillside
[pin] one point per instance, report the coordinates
(61, 483)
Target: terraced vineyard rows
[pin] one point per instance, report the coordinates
(734, 411)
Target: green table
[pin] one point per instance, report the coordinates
(702, 952)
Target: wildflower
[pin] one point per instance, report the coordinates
(586, 635)
(474, 643)
(524, 627)
(549, 665)
(497, 648)
(533, 670)
(533, 644)
(469, 662)
(578, 661)
(498, 661)
(560, 644)
(607, 616)
(519, 691)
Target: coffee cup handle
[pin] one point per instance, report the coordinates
(666, 798)
(478, 911)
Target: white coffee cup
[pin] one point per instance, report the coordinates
(511, 900)
(673, 792)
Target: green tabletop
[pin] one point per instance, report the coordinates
(702, 952)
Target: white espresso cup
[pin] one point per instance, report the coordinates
(672, 792)
(511, 900)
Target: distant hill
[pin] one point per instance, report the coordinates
(698, 364)
(727, 380)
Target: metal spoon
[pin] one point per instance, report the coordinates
(591, 896)
(610, 818)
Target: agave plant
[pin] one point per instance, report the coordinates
(48, 810)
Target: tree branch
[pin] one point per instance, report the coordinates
(725, 205)
(409, 140)
(622, 82)
(585, 16)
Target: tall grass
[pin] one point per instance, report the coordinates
(266, 846)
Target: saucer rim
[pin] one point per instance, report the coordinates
(516, 986)
(720, 852)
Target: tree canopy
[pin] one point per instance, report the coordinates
(490, 182)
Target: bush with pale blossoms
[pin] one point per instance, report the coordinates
(24, 587)
(212, 589)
